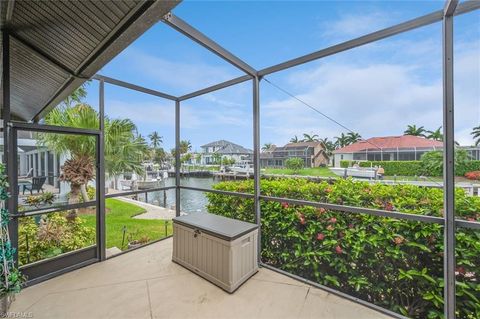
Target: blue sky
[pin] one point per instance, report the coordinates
(376, 90)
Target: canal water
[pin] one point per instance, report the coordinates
(190, 201)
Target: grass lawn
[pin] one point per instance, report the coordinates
(314, 171)
(119, 214)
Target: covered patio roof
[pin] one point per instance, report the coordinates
(58, 45)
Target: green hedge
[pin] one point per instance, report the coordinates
(396, 264)
(412, 168)
(466, 167)
(400, 168)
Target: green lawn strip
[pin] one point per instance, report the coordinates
(314, 171)
(119, 214)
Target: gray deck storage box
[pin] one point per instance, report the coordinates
(220, 249)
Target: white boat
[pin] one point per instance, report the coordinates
(242, 168)
(359, 172)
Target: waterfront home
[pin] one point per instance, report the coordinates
(212, 152)
(312, 153)
(387, 148)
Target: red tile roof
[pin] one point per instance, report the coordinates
(389, 142)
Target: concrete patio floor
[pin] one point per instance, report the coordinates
(145, 283)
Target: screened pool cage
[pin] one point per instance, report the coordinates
(51, 267)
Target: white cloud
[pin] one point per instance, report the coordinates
(373, 99)
(183, 77)
(353, 25)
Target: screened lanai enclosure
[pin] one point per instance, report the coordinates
(400, 250)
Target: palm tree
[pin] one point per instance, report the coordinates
(435, 135)
(328, 145)
(156, 139)
(124, 149)
(342, 140)
(353, 137)
(310, 138)
(476, 135)
(266, 146)
(294, 139)
(415, 131)
(77, 96)
(185, 146)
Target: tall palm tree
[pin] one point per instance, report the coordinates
(342, 140)
(124, 149)
(294, 139)
(329, 146)
(353, 137)
(476, 135)
(435, 135)
(310, 138)
(77, 96)
(266, 146)
(185, 146)
(156, 139)
(415, 131)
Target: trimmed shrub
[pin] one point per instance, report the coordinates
(51, 235)
(475, 175)
(427, 166)
(399, 168)
(396, 264)
(295, 164)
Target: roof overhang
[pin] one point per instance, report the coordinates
(56, 46)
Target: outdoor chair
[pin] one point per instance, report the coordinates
(37, 184)
(29, 174)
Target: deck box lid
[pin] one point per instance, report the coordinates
(219, 226)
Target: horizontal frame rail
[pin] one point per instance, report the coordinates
(143, 191)
(358, 210)
(133, 87)
(425, 20)
(53, 129)
(216, 87)
(335, 292)
(467, 224)
(216, 191)
(48, 210)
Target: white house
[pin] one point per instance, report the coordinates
(224, 149)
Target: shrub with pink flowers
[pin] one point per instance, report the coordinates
(396, 264)
(474, 175)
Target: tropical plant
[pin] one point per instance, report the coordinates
(217, 158)
(309, 138)
(415, 131)
(11, 279)
(156, 139)
(185, 146)
(435, 135)
(342, 140)
(124, 150)
(294, 139)
(266, 146)
(476, 135)
(77, 96)
(353, 137)
(393, 263)
(198, 158)
(474, 175)
(54, 234)
(432, 162)
(294, 163)
(328, 145)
